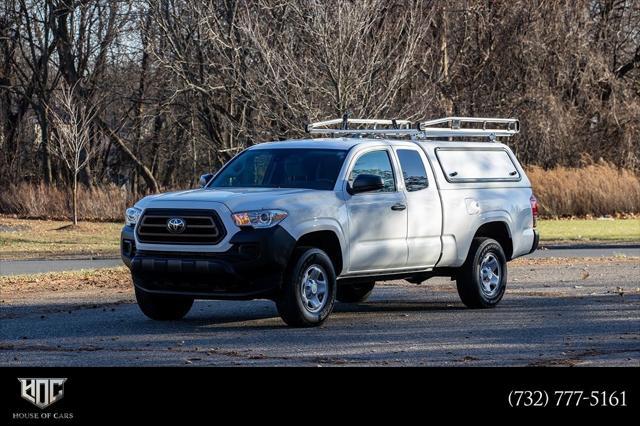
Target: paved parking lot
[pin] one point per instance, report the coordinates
(571, 312)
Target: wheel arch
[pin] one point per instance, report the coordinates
(498, 230)
(327, 241)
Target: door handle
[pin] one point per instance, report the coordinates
(398, 207)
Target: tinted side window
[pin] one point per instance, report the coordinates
(375, 163)
(415, 176)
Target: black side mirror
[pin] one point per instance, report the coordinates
(366, 183)
(204, 179)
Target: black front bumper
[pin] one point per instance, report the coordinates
(253, 267)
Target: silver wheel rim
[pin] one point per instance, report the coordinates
(490, 273)
(314, 289)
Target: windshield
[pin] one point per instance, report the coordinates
(282, 168)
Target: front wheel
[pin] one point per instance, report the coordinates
(309, 290)
(482, 279)
(162, 307)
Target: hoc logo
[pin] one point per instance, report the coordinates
(42, 392)
(176, 225)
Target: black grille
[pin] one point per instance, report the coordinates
(202, 227)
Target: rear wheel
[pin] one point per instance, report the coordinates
(161, 307)
(482, 280)
(309, 290)
(354, 293)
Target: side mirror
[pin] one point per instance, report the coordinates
(204, 179)
(366, 183)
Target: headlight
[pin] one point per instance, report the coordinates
(259, 218)
(131, 216)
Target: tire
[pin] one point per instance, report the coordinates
(354, 293)
(298, 305)
(482, 280)
(161, 307)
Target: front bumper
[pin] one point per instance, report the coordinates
(253, 267)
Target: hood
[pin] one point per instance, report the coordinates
(257, 198)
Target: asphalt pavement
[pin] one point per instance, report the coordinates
(18, 267)
(553, 313)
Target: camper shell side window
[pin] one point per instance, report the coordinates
(461, 165)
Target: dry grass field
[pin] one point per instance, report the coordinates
(105, 203)
(597, 189)
(594, 190)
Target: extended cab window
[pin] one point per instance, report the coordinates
(477, 165)
(413, 171)
(375, 163)
(282, 168)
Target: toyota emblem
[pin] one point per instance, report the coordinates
(176, 225)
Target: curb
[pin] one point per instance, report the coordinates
(588, 245)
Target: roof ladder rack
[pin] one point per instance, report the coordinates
(448, 127)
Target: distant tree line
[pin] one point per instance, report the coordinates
(177, 87)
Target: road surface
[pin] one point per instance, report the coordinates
(17, 267)
(554, 313)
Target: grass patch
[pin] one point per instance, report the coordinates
(23, 239)
(586, 230)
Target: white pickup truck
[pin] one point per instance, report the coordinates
(306, 222)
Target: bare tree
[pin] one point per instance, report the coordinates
(186, 84)
(72, 122)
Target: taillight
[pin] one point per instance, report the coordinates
(534, 209)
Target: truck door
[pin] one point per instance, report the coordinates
(377, 220)
(423, 207)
